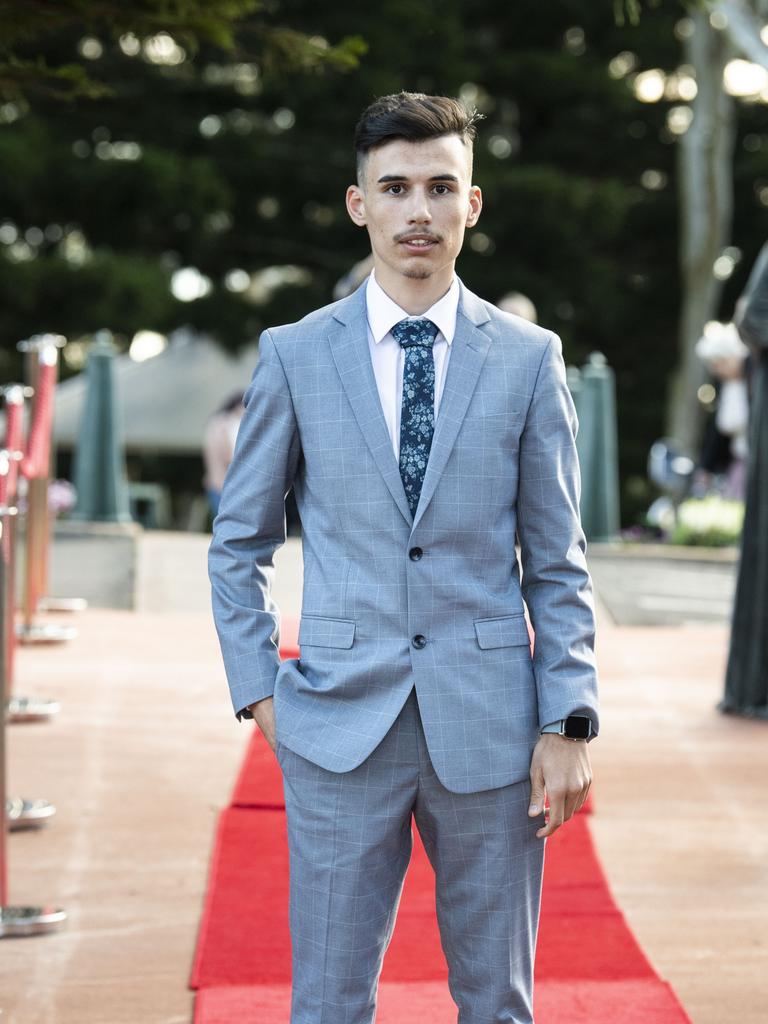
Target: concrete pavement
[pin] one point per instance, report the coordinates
(662, 585)
(146, 750)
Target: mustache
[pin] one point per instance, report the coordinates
(408, 235)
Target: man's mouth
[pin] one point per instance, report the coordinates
(418, 243)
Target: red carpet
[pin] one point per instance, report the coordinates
(574, 1002)
(244, 934)
(589, 967)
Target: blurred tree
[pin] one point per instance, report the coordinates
(25, 30)
(114, 208)
(722, 49)
(722, 44)
(222, 176)
(705, 175)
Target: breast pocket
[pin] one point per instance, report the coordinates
(493, 431)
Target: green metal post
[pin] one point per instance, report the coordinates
(99, 473)
(597, 445)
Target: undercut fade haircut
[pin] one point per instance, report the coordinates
(415, 117)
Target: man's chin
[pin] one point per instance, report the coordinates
(417, 273)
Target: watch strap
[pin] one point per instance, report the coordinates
(556, 727)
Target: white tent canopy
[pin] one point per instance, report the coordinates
(163, 402)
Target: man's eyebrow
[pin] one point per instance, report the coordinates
(388, 178)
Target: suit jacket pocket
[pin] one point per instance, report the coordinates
(318, 631)
(502, 631)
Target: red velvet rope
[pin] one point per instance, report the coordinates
(38, 453)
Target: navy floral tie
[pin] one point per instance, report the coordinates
(417, 418)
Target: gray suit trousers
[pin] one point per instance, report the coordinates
(349, 836)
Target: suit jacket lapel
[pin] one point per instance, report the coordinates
(468, 351)
(349, 347)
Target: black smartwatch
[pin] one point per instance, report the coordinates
(577, 727)
(574, 727)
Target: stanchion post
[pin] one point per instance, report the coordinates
(19, 709)
(44, 602)
(14, 396)
(42, 354)
(5, 514)
(19, 812)
(14, 920)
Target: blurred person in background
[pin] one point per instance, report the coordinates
(746, 681)
(725, 356)
(219, 445)
(354, 277)
(520, 305)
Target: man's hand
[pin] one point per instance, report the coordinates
(264, 715)
(560, 767)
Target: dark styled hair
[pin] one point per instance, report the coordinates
(415, 117)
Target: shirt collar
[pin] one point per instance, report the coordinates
(384, 313)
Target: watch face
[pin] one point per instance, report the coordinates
(577, 728)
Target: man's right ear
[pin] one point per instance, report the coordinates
(356, 205)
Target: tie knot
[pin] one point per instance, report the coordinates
(415, 332)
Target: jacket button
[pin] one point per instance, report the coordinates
(415, 554)
(419, 641)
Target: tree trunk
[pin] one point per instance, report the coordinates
(706, 199)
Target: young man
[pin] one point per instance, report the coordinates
(423, 431)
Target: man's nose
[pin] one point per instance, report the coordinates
(419, 211)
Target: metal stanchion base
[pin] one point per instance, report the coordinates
(62, 604)
(31, 709)
(19, 921)
(20, 813)
(44, 633)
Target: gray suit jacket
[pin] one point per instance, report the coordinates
(391, 601)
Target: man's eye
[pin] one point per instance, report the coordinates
(442, 190)
(395, 189)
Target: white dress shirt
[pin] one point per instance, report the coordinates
(388, 356)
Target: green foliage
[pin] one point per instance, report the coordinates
(212, 20)
(708, 522)
(27, 28)
(289, 51)
(630, 11)
(27, 77)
